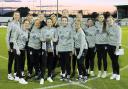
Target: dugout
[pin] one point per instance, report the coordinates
(122, 11)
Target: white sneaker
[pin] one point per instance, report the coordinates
(99, 74)
(16, 78)
(87, 70)
(50, 79)
(23, 81)
(42, 81)
(10, 77)
(104, 75)
(14, 74)
(117, 77)
(113, 76)
(23, 74)
(92, 73)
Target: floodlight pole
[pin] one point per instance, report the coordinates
(40, 5)
(2, 7)
(57, 8)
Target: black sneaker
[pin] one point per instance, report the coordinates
(29, 76)
(68, 80)
(80, 79)
(62, 78)
(85, 78)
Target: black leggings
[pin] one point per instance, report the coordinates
(55, 61)
(102, 55)
(89, 62)
(11, 58)
(29, 62)
(20, 62)
(80, 62)
(65, 62)
(23, 59)
(74, 60)
(43, 63)
(114, 59)
(35, 59)
(50, 60)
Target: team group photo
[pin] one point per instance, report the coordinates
(54, 44)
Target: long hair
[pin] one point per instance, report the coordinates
(104, 26)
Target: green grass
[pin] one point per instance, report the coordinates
(94, 84)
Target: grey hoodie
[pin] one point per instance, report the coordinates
(91, 36)
(80, 41)
(114, 35)
(46, 34)
(20, 39)
(12, 27)
(65, 39)
(35, 38)
(101, 37)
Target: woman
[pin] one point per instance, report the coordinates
(20, 39)
(101, 45)
(34, 46)
(90, 33)
(114, 43)
(41, 16)
(56, 58)
(54, 20)
(12, 27)
(65, 13)
(29, 17)
(65, 47)
(81, 50)
(79, 17)
(49, 36)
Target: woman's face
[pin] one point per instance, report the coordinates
(100, 18)
(16, 16)
(41, 16)
(26, 25)
(79, 16)
(77, 25)
(37, 23)
(53, 17)
(30, 17)
(64, 22)
(90, 23)
(65, 13)
(110, 21)
(49, 23)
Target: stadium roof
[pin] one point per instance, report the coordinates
(126, 4)
(8, 7)
(11, 0)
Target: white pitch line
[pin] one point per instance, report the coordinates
(81, 85)
(4, 57)
(125, 46)
(77, 83)
(61, 85)
(86, 87)
(55, 86)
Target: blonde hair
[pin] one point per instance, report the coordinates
(112, 18)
